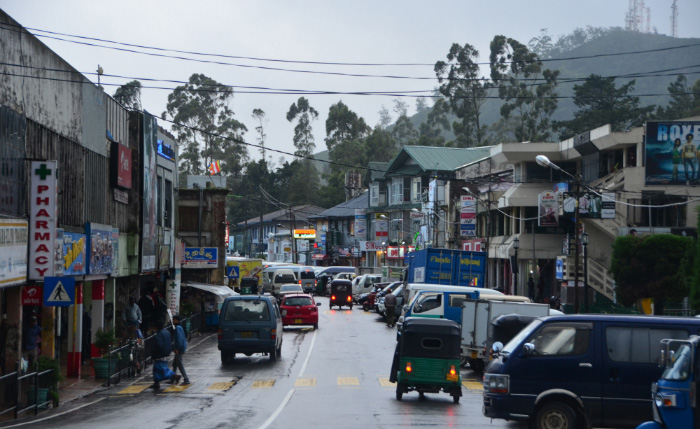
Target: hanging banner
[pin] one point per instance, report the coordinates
(360, 225)
(467, 216)
(13, 251)
(671, 153)
(548, 209)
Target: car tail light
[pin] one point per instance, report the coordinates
(299, 281)
(273, 334)
(409, 368)
(452, 370)
(313, 309)
(349, 298)
(221, 334)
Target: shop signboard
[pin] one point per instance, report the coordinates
(201, 257)
(13, 251)
(74, 254)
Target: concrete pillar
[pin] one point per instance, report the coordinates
(97, 314)
(75, 333)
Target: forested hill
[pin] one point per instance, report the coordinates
(653, 71)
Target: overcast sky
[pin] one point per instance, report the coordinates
(357, 31)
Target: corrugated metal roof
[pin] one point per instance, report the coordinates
(301, 213)
(430, 158)
(376, 170)
(346, 209)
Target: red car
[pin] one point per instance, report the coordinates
(299, 309)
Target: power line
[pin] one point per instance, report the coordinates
(129, 50)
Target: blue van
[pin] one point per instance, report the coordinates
(580, 370)
(250, 324)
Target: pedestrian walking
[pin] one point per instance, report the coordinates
(162, 348)
(179, 347)
(132, 316)
(390, 306)
(30, 338)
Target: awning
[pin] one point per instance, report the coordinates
(215, 289)
(523, 195)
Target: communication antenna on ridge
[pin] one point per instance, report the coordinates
(674, 19)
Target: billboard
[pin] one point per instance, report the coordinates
(148, 234)
(100, 248)
(671, 153)
(548, 208)
(14, 235)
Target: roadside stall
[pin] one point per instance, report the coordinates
(207, 299)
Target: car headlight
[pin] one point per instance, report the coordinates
(497, 383)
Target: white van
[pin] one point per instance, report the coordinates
(413, 288)
(281, 276)
(364, 284)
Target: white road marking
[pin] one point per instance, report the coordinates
(55, 415)
(286, 399)
(278, 410)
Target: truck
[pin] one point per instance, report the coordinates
(237, 268)
(478, 329)
(446, 267)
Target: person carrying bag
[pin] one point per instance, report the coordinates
(161, 351)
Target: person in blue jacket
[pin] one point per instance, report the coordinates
(161, 351)
(180, 347)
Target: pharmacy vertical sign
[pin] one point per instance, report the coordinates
(42, 219)
(467, 216)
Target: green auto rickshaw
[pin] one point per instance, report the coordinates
(426, 359)
(249, 285)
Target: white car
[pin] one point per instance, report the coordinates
(290, 288)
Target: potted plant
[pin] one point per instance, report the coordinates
(104, 366)
(46, 363)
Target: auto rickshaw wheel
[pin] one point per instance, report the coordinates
(399, 391)
(350, 306)
(365, 306)
(455, 398)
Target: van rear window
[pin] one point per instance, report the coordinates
(308, 275)
(639, 345)
(247, 309)
(285, 278)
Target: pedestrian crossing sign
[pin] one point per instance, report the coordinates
(59, 291)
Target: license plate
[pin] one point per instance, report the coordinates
(473, 355)
(297, 321)
(452, 377)
(246, 334)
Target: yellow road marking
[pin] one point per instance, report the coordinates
(134, 389)
(305, 382)
(173, 389)
(384, 382)
(348, 381)
(222, 386)
(474, 385)
(263, 384)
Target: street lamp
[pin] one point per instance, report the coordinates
(516, 246)
(584, 241)
(545, 162)
(384, 252)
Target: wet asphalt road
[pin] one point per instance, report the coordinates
(336, 377)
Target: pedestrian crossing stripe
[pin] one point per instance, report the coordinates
(348, 381)
(134, 389)
(384, 382)
(177, 389)
(222, 386)
(262, 384)
(473, 385)
(305, 382)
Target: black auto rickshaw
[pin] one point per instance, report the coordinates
(426, 358)
(341, 293)
(249, 286)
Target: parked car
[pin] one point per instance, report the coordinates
(290, 288)
(250, 324)
(399, 300)
(299, 309)
(581, 370)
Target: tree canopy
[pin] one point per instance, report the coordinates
(650, 267)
